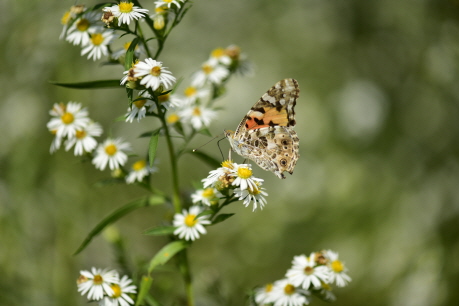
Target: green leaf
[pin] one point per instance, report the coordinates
(153, 146)
(148, 134)
(129, 57)
(114, 216)
(90, 84)
(160, 230)
(214, 163)
(221, 217)
(166, 253)
(144, 288)
(156, 200)
(204, 213)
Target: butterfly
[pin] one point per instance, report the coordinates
(265, 135)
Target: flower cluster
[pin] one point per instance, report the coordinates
(106, 287)
(312, 275)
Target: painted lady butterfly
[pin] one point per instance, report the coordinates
(266, 134)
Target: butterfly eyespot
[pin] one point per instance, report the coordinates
(283, 162)
(285, 142)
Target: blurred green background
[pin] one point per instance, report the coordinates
(377, 180)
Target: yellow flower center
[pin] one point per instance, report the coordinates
(197, 111)
(255, 191)
(140, 103)
(158, 21)
(139, 165)
(228, 164)
(172, 118)
(83, 25)
(111, 149)
(97, 39)
(155, 71)
(116, 290)
(164, 98)
(67, 118)
(289, 289)
(65, 19)
(244, 173)
(337, 266)
(80, 134)
(190, 91)
(207, 69)
(126, 7)
(219, 52)
(190, 220)
(160, 10)
(208, 193)
(308, 270)
(128, 44)
(168, 1)
(98, 279)
(268, 287)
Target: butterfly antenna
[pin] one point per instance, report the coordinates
(194, 150)
(218, 144)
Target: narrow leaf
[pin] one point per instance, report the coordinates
(221, 217)
(160, 231)
(148, 134)
(90, 84)
(114, 216)
(156, 200)
(144, 288)
(153, 146)
(204, 213)
(166, 253)
(213, 162)
(129, 58)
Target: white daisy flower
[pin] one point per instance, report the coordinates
(193, 93)
(264, 295)
(219, 56)
(207, 196)
(111, 152)
(67, 119)
(126, 11)
(159, 18)
(338, 270)
(56, 143)
(98, 43)
(188, 226)
(257, 195)
(209, 73)
(120, 295)
(284, 293)
(121, 52)
(223, 174)
(84, 139)
(97, 283)
(172, 116)
(306, 273)
(170, 100)
(140, 169)
(168, 3)
(80, 31)
(128, 76)
(244, 177)
(153, 74)
(138, 109)
(198, 116)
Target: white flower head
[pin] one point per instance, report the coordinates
(80, 31)
(197, 115)
(284, 293)
(138, 50)
(170, 100)
(172, 116)
(126, 11)
(209, 72)
(193, 93)
(67, 119)
(98, 44)
(138, 109)
(244, 177)
(154, 74)
(188, 226)
(338, 270)
(139, 170)
(207, 196)
(168, 3)
(264, 294)
(223, 176)
(97, 283)
(306, 273)
(84, 139)
(255, 195)
(111, 152)
(219, 56)
(120, 295)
